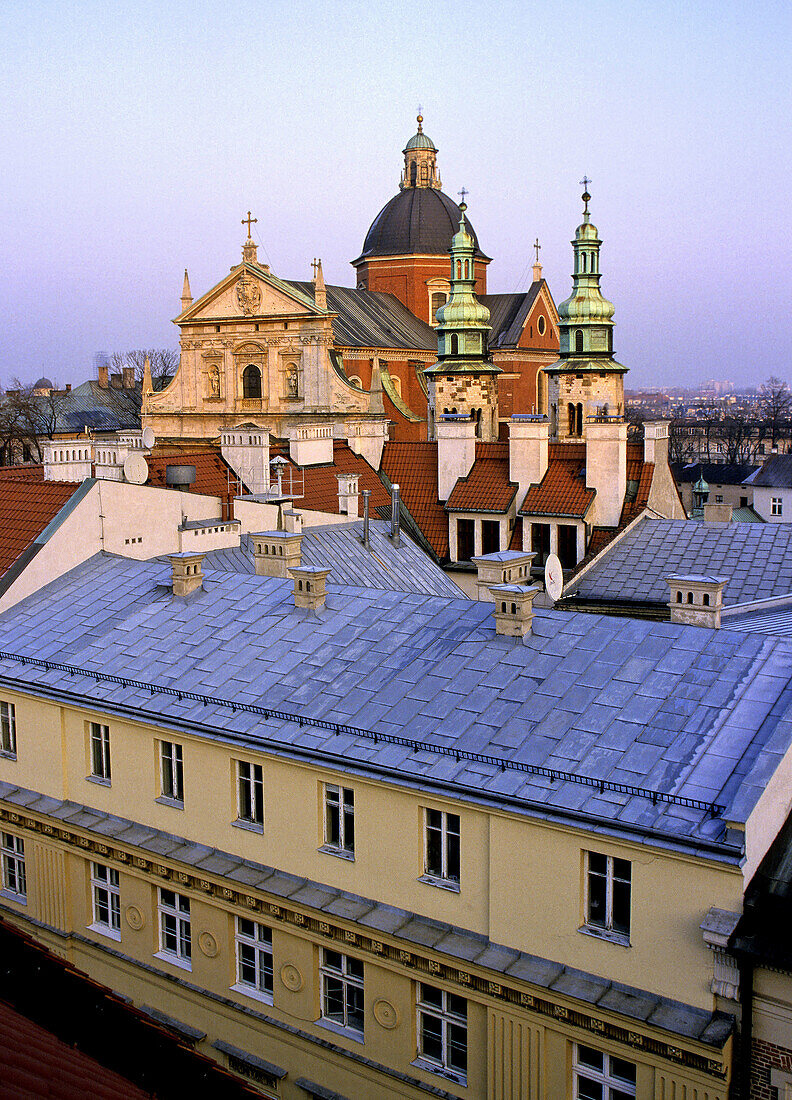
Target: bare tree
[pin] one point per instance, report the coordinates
(27, 418)
(163, 362)
(775, 402)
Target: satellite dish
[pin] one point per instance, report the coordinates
(136, 469)
(554, 578)
(148, 438)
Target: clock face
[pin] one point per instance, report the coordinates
(554, 577)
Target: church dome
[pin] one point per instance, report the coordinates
(43, 384)
(419, 220)
(420, 141)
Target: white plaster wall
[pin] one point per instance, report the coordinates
(767, 816)
(255, 516)
(149, 514)
(762, 502)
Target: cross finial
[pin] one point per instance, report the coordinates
(463, 193)
(420, 119)
(537, 246)
(248, 221)
(584, 183)
(315, 267)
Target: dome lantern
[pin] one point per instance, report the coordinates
(420, 161)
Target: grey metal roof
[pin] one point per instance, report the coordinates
(416, 221)
(372, 319)
(757, 558)
(507, 315)
(716, 473)
(776, 473)
(339, 548)
(411, 928)
(639, 728)
(90, 405)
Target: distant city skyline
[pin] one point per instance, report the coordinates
(137, 138)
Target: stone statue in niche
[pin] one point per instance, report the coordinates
(293, 382)
(214, 381)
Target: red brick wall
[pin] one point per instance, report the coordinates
(764, 1058)
(406, 277)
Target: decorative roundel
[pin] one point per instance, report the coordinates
(540, 324)
(386, 1014)
(208, 944)
(291, 977)
(134, 918)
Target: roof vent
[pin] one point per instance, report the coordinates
(395, 530)
(514, 608)
(187, 574)
(276, 553)
(180, 477)
(503, 567)
(309, 586)
(696, 599)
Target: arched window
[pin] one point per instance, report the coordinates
(467, 269)
(705, 599)
(459, 269)
(454, 344)
(514, 608)
(571, 419)
(690, 597)
(579, 424)
(438, 301)
(582, 261)
(413, 173)
(251, 381)
(578, 340)
(679, 597)
(593, 262)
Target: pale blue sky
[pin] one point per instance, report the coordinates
(135, 137)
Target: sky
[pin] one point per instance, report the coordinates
(136, 136)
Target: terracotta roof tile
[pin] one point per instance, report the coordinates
(213, 476)
(26, 507)
(28, 472)
(487, 487)
(562, 491)
(413, 467)
(320, 485)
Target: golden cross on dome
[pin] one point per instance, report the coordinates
(537, 246)
(248, 221)
(420, 119)
(463, 193)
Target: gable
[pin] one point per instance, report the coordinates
(248, 292)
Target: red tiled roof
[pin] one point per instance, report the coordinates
(413, 467)
(562, 491)
(213, 476)
(487, 487)
(29, 472)
(26, 507)
(320, 484)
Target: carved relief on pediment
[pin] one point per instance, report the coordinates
(248, 294)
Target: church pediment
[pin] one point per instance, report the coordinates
(249, 291)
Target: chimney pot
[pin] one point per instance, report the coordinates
(276, 553)
(348, 494)
(503, 567)
(514, 608)
(696, 599)
(309, 586)
(186, 572)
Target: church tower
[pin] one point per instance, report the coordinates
(586, 381)
(463, 381)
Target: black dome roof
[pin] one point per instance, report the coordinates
(417, 220)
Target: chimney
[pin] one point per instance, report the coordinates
(348, 494)
(366, 539)
(275, 553)
(116, 381)
(456, 450)
(503, 567)
(292, 522)
(395, 530)
(309, 586)
(696, 599)
(717, 513)
(311, 445)
(128, 378)
(656, 442)
(528, 450)
(187, 575)
(103, 376)
(606, 468)
(514, 608)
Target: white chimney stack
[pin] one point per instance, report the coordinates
(348, 494)
(528, 451)
(696, 599)
(456, 450)
(309, 586)
(514, 608)
(606, 468)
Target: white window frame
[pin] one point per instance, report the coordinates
(339, 820)
(776, 506)
(611, 1085)
(449, 830)
(175, 928)
(449, 1023)
(106, 898)
(607, 928)
(13, 882)
(99, 744)
(258, 946)
(349, 984)
(172, 772)
(250, 794)
(8, 744)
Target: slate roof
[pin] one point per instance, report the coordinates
(756, 557)
(412, 929)
(776, 473)
(507, 315)
(716, 473)
(339, 547)
(487, 487)
(90, 405)
(418, 220)
(26, 508)
(649, 726)
(562, 491)
(373, 319)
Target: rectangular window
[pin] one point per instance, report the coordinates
(465, 539)
(342, 991)
(174, 926)
(251, 792)
(339, 818)
(441, 860)
(8, 729)
(567, 545)
(442, 1031)
(608, 903)
(540, 541)
(254, 958)
(171, 771)
(12, 857)
(100, 751)
(490, 536)
(106, 899)
(600, 1076)
(719, 498)
(776, 506)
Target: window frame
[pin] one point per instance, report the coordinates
(109, 885)
(447, 1018)
(607, 927)
(342, 813)
(776, 506)
(605, 1077)
(351, 988)
(8, 741)
(171, 759)
(253, 785)
(181, 932)
(99, 752)
(259, 943)
(442, 875)
(13, 869)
